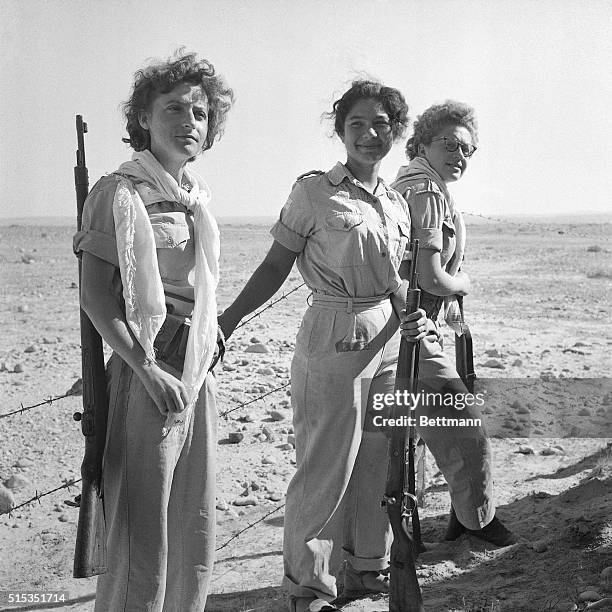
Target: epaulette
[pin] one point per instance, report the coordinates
(309, 174)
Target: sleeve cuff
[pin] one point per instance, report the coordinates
(429, 238)
(287, 237)
(101, 245)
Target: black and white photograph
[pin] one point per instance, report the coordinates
(306, 306)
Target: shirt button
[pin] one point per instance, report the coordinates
(383, 254)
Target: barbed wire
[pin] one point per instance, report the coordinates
(37, 496)
(259, 312)
(255, 399)
(239, 533)
(23, 408)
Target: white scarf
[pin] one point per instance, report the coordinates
(142, 286)
(419, 167)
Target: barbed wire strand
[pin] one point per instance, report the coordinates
(259, 312)
(239, 533)
(67, 484)
(255, 399)
(47, 401)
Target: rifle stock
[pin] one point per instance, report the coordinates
(90, 548)
(400, 501)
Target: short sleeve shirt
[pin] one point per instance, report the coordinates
(349, 242)
(172, 229)
(432, 218)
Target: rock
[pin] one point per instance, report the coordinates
(222, 505)
(602, 604)
(23, 463)
(286, 447)
(17, 482)
(546, 451)
(584, 412)
(77, 388)
(255, 340)
(517, 363)
(595, 248)
(249, 500)
(47, 340)
(235, 437)
(589, 596)
(7, 501)
(251, 417)
(266, 371)
(494, 363)
(525, 450)
(28, 259)
(29, 349)
(566, 606)
(539, 546)
(257, 348)
(226, 367)
(18, 368)
(269, 460)
(606, 576)
(275, 497)
(23, 308)
(266, 431)
(275, 415)
(493, 353)
(291, 440)
(63, 518)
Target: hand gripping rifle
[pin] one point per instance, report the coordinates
(464, 352)
(400, 499)
(90, 549)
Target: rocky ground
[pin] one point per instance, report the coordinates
(540, 317)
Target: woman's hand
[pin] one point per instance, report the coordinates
(164, 386)
(464, 279)
(413, 325)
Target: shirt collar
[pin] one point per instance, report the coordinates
(339, 172)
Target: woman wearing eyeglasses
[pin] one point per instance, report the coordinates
(444, 139)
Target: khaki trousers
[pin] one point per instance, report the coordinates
(345, 354)
(159, 502)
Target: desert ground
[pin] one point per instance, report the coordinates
(539, 312)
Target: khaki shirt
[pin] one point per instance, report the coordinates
(350, 243)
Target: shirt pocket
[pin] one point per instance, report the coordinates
(404, 239)
(170, 234)
(346, 238)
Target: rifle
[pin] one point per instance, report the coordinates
(90, 548)
(400, 499)
(464, 352)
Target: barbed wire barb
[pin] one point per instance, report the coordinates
(255, 399)
(239, 533)
(259, 312)
(37, 496)
(48, 402)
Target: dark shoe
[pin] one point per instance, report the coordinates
(358, 583)
(310, 604)
(495, 532)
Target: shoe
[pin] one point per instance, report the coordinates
(358, 583)
(310, 604)
(495, 532)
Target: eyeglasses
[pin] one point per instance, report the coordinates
(451, 145)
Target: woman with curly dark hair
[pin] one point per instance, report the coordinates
(348, 232)
(445, 138)
(150, 252)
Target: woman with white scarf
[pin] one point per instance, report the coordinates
(150, 253)
(445, 137)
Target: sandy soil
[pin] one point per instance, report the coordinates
(540, 310)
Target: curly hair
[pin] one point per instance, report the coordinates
(391, 99)
(163, 77)
(438, 116)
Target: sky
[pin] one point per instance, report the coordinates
(537, 73)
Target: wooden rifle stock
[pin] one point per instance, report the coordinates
(464, 352)
(400, 500)
(90, 549)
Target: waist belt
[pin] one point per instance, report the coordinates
(349, 304)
